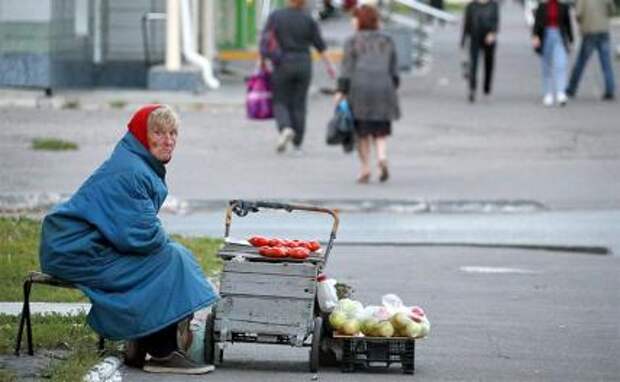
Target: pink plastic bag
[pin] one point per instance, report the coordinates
(258, 100)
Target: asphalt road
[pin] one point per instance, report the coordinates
(496, 314)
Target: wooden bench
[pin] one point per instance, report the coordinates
(45, 279)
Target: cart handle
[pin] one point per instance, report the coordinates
(243, 207)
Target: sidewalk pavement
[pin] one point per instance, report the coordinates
(72, 309)
(507, 147)
(232, 90)
(230, 95)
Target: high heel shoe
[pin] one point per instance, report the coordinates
(363, 178)
(383, 171)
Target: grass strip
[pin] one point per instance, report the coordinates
(53, 144)
(61, 334)
(19, 254)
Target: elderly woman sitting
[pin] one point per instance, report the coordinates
(108, 240)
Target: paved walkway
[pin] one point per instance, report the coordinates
(508, 147)
(15, 308)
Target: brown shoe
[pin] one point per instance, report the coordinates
(384, 174)
(176, 363)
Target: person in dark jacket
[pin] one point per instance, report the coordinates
(552, 36)
(294, 31)
(369, 79)
(480, 27)
(108, 241)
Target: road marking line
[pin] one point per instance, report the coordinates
(503, 270)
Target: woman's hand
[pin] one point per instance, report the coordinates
(535, 42)
(489, 39)
(331, 72)
(329, 67)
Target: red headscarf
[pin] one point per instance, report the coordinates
(138, 124)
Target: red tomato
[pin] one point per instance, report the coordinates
(278, 252)
(313, 246)
(299, 253)
(302, 243)
(258, 241)
(275, 242)
(287, 243)
(264, 250)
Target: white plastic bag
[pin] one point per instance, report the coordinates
(326, 294)
(351, 308)
(395, 305)
(373, 319)
(191, 338)
(345, 317)
(392, 303)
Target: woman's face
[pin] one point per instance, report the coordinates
(355, 23)
(162, 141)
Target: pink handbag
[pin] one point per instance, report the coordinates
(258, 100)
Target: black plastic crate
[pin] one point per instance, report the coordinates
(377, 352)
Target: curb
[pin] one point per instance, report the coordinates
(70, 103)
(105, 371)
(122, 99)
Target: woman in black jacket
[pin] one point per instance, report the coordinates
(294, 32)
(480, 26)
(552, 36)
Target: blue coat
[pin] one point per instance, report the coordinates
(108, 240)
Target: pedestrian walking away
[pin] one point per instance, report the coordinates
(369, 80)
(108, 240)
(552, 36)
(292, 31)
(480, 27)
(593, 18)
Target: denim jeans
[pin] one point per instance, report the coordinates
(591, 41)
(554, 62)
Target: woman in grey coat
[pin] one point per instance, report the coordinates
(369, 79)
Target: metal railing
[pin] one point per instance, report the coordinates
(413, 34)
(421, 9)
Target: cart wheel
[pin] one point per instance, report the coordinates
(316, 344)
(209, 340)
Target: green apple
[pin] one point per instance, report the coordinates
(337, 319)
(350, 327)
(384, 329)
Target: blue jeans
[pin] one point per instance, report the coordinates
(554, 62)
(591, 41)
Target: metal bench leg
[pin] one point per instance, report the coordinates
(28, 322)
(25, 317)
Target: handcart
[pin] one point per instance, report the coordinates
(266, 300)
